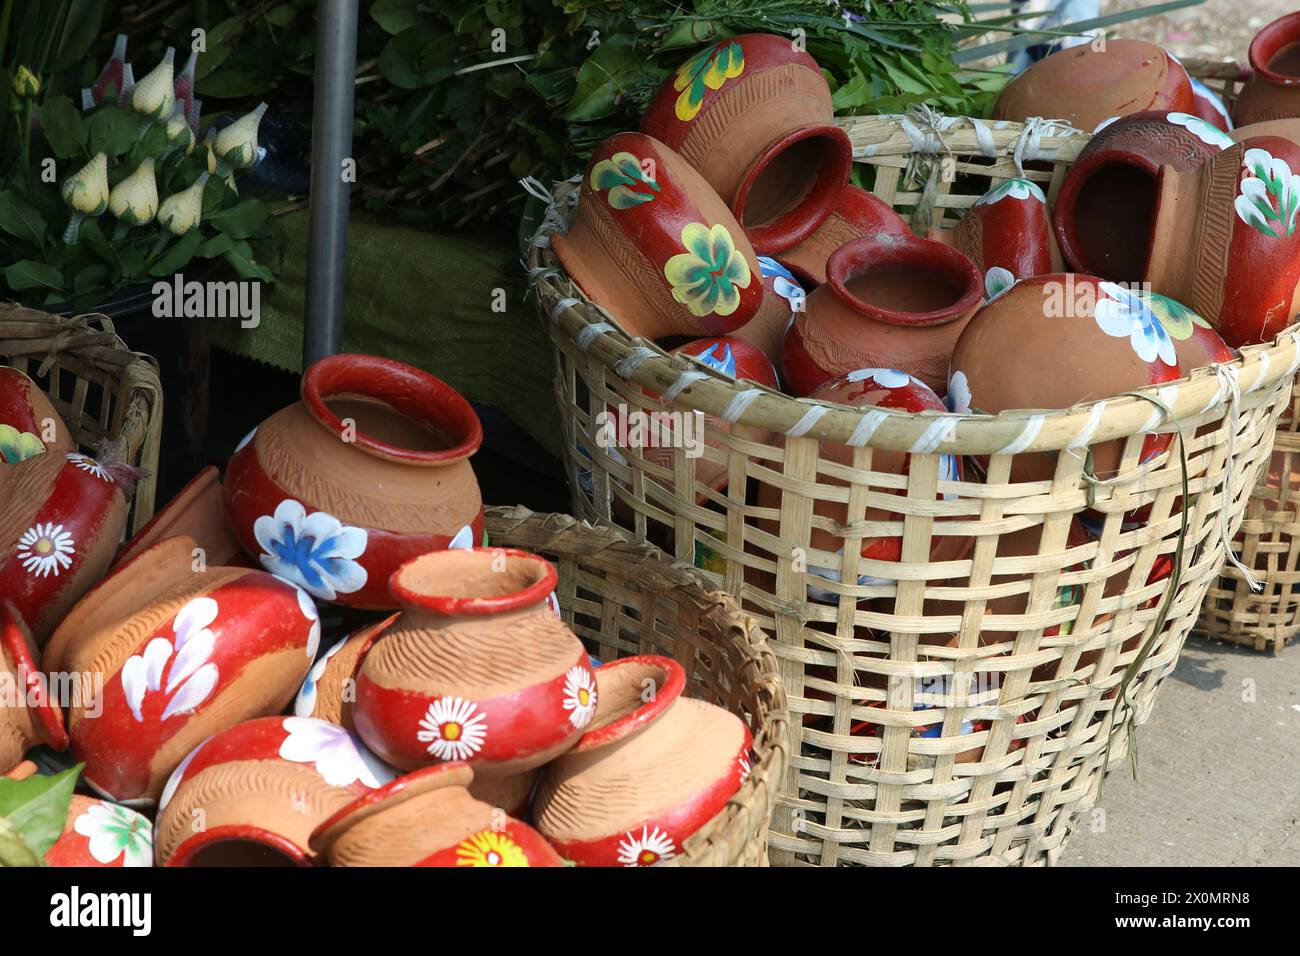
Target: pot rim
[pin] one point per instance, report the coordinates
(1268, 41)
(859, 256)
(245, 833)
(669, 691)
(798, 223)
(411, 392)
(1064, 220)
(14, 640)
(447, 605)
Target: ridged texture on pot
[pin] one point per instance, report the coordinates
(335, 686)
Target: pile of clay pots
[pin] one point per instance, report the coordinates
(184, 667)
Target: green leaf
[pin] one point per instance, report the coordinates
(178, 255)
(63, 127)
(241, 220)
(90, 278)
(14, 850)
(395, 15)
(420, 56)
(38, 806)
(214, 246)
(603, 79)
(21, 220)
(112, 130)
(29, 274)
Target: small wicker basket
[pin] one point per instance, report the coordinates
(624, 598)
(103, 391)
(996, 764)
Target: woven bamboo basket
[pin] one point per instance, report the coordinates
(624, 598)
(106, 394)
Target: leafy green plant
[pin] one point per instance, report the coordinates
(33, 812)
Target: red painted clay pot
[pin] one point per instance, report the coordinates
(477, 668)
(1226, 240)
(654, 244)
(330, 689)
(429, 818)
(1053, 341)
(857, 213)
(369, 470)
(1209, 106)
(1085, 86)
(252, 794)
(1105, 211)
(182, 654)
(197, 512)
(1273, 90)
(654, 768)
(29, 715)
(29, 424)
(1008, 235)
(881, 388)
(753, 114)
(783, 297)
(102, 834)
(891, 301)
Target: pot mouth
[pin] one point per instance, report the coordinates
(1075, 249)
(897, 253)
(412, 393)
(477, 581)
(265, 842)
(456, 773)
(1282, 32)
(801, 216)
(621, 707)
(16, 642)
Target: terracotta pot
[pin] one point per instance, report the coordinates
(1202, 348)
(1008, 235)
(29, 715)
(1085, 87)
(883, 388)
(654, 768)
(857, 213)
(181, 654)
(891, 301)
(429, 818)
(753, 114)
(1084, 339)
(61, 517)
(656, 246)
(102, 834)
(196, 512)
(477, 667)
(330, 689)
(335, 507)
(1209, 106)
(27, 419)
(1286, 128)
(783, 297)
(1105, 211)
(1224, 246)
(1273, 90)
(511, 795)
(252, 794)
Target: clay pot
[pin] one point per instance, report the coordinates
(1053, 341)
(102, 834)
(330, 689)
(61, 517)
(27, 418)
(511, 795)
(783, 297)
(369, 470)
(890, 301)
(252, 794)
(654, 768)
(477, 667)
(29, 715)
(1201, 348)
(882, 388)
(1224, 245)
(1273, 90)
(429, 818)
(196, 512)
(1085, 87)
(182, 654)
(1105, 211)
(656, 246)
(857, 213)
(753, 114)
(1209, 106)
(1008, 235)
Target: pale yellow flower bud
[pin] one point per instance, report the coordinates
(182, 211)
(134, 200)
(155, 95)
(86, 190)
(178, 130)
(237, 143)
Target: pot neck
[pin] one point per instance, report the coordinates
(902, 254)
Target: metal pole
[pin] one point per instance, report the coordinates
(331, 145)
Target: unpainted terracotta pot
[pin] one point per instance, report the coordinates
(369, 470)
(783, 297)
(1008, 235)
(655, 245)
(29, 715)
(330, 689)
(197, 512)
(177, 655)
(857, 213)
(890, 301)
(1227, 244)
(252, 794)
(1273, 90)
(1086, 86)
(102, 834)
(1105, 210)
(28, 419)
(478, 667)
(429, 818)
(511, 795)
(1053, 341)
(654, 768)
(753, 114)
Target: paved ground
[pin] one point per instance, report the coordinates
(1217, 29)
